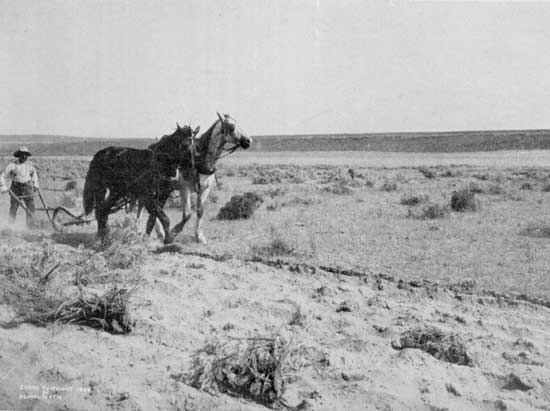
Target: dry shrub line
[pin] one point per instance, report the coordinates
(442, 345)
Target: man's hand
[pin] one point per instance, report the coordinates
(4, 189)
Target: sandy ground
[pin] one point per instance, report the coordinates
(185, 300)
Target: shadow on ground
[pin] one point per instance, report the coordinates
(88, 240)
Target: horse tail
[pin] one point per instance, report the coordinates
(94, 188)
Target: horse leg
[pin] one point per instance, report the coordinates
(201, 201)
(131, 205)
(102, 214)
(151, 221)
(149, 206)
(155, 211)
(160, 226)
(185, 195)
(168, 238)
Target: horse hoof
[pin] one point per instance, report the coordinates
(168, 239)
(200, 239)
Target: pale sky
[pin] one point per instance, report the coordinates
(134, 68)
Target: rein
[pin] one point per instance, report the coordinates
(228, 151)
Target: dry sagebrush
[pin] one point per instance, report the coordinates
(253, 368)
(464, 200)
(444, 346)
(125, 246)
(240, 206)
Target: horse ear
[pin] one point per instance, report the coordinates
(220, 116)
(178, 126)
(197, 130)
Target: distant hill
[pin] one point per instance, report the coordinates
(442, 142)
(64, 145)
(436, 142)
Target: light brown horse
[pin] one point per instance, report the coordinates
(198, 174)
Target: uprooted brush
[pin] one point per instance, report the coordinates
(107, 312)
(442, 345)
(252, 368)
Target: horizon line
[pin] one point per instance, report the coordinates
(378, 133)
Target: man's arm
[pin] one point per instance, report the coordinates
(5, 182)
(34, 177)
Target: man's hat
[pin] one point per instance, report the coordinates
(22, 151)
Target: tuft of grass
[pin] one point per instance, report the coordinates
(426, 172)
(369, 183)
(71, 185)
(546, 188)
(537, 230)
(388, 186)
(526, 186)
(413, 199)
(23, 273)
(494, 189)
(479, 176)
(430, 212)
(240, 206)
(298, 318)
(276, 246)
(270, 175)
(448, 172)
(292, 201)
(273, 192)
(338, 187)
(213, 198)
(464, 200)
(475, 188)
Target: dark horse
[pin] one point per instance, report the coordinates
(118, 175)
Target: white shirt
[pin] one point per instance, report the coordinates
(20, 173)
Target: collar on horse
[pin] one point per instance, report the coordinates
(199, 165)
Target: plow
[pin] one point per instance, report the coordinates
(59, 217)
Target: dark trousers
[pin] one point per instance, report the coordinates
(25, 193)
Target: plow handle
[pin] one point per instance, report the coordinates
(12, 194)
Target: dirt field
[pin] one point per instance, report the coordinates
(334, 263)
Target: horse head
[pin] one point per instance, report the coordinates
(233, 134)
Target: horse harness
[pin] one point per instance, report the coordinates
(195, 171)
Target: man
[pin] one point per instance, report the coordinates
(24, 182)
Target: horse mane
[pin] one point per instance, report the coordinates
(170, 141)
(208, 150)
